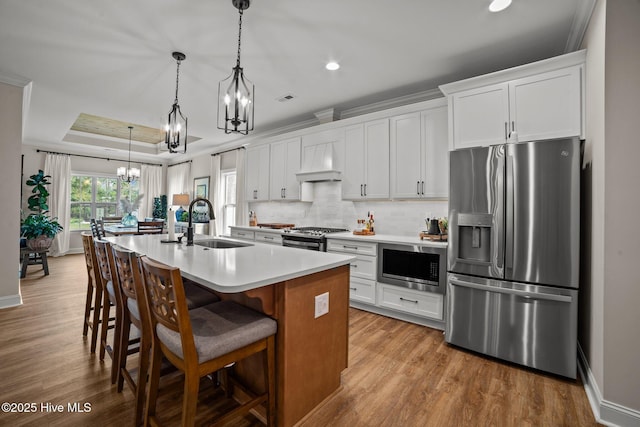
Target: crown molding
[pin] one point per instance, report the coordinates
(579, 25)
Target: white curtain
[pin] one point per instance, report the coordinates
(178, 180)
(242, 207)
(59, 167)
(216, 192)
(150, 187)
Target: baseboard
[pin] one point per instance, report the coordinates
(605, 412)
(10, 301)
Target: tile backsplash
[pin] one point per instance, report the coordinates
(404, 218)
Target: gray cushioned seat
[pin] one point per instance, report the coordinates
(133, 308)
(197, 296)
(220, 328)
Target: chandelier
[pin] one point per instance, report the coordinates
(176, 127)
(235, 93)
(128, 174)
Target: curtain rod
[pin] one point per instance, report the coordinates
(227, 151)
(94, 157)
(176, 164)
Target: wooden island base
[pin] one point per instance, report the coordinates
(311, 352)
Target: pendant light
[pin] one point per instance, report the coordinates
(176, 127)
(235, 93)
(129, 174)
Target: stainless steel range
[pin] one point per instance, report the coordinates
(310, 238)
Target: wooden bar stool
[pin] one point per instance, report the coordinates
(94, 292)
(203, 341)
(113, 295)
(127, 275)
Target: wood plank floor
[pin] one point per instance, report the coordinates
(399, 374)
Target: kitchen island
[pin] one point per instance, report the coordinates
(311, 351)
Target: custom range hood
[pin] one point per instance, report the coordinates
(317, 164)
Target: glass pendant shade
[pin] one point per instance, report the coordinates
(235, 103)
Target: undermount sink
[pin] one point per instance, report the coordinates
(220, 244)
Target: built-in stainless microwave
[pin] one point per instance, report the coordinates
(419, 267)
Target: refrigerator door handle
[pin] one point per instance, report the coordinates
(509, 212)
(523, 294)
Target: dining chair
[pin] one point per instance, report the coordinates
(127, 275)
(203, 341)
(113, 295)
(150, 227)
(93, 304)
(97, 228)
(111, 219)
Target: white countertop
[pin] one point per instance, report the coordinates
(377, 238)
(233, 269)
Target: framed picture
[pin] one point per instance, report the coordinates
(201, 187)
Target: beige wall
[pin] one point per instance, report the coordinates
(10, 142)
(610, 317)
(590, 334)
(622, 204)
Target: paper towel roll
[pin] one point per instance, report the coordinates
(171, 224)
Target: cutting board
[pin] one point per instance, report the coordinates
(276, 225)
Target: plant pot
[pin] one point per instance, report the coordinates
(39, 243)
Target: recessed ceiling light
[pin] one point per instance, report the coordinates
(332, 66)
(499, 5)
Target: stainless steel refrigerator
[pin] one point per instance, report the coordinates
(513, 260)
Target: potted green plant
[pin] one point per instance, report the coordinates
(38, 228)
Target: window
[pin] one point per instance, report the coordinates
(94, 196)
(228, 181)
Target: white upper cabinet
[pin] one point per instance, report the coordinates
(536, 101)
(419, 163)
(366, 161)
(257, 174)
(285, 163)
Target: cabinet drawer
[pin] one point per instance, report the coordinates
(362, 290)
(426, 304)
(364, 267)
(352, 247)
(272, 238)
(243, 234)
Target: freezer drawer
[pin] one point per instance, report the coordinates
(531, 325)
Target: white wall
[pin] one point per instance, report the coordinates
(404, 218)
(11, 98)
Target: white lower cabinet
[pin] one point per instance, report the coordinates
(362, 290)
(242, 234)
(425, 304)
(266, 237)
(362, 287)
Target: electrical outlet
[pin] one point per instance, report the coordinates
(322, 304)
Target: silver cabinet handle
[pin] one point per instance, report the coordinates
(355, 248)
(365, 189)
(408, 300)
(354, 266)
(354, 289)
(423, 188)
(506, 131)
(361, 192)
(418, 188)
(267, 237)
